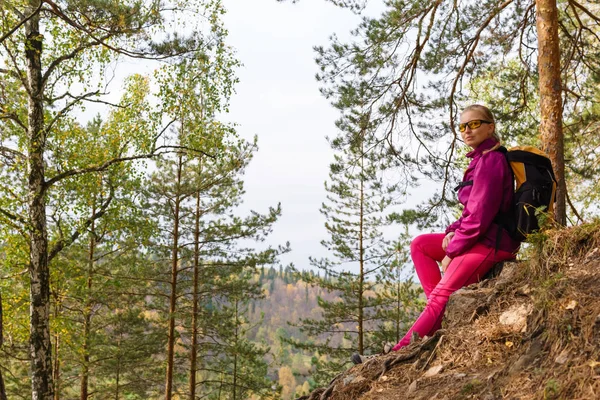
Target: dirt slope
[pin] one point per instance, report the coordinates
(532, 332)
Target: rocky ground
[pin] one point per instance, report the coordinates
(531, 332)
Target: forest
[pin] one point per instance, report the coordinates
(129, 268)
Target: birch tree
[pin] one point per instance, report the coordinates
(55, 56)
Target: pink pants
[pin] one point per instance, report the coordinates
(426, 251)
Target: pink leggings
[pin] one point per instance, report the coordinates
(426, 251)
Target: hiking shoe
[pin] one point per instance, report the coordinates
(360, 359)
(387, 347)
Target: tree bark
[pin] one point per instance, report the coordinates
(56, 367)
(361, 250)
(550, 85)
(87, 314)
(194, 346)
(118, 372)
(235, 355)
(2, 388)
(173, 297)
(39, 341)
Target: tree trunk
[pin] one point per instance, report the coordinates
(173, 297)
(118, 371)
(194, 346)
(361, 250)
(2, 388)
(398, 298)
(39, 341)
(235, 356)
(550, 98)
(56, 368)
(87, 315)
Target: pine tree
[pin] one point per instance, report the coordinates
(400, 297)
(409, 69)
(357, 201)
(47, 46)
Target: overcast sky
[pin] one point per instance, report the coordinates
(278, 99)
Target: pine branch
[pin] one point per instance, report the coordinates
(585, 10)
(133, 54)
(104, 166)
(22, 22)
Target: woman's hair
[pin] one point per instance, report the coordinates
(487, 114)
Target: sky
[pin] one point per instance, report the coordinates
(278, 100)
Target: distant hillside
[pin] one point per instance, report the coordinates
(533, 332)
(287, 299)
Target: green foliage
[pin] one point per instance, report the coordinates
(106, 245)
(357, 202)
(410, 70)
(401, 300)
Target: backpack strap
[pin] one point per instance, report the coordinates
(463, 184)
(501, 219)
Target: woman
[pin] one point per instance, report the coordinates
(467, 250)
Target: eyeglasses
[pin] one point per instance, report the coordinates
(473, 124)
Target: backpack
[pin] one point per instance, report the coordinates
(535, 189)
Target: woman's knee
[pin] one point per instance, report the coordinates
(428, 243)
(418, 243)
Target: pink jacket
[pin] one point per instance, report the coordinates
(492, 191)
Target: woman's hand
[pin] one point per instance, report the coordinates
(447, 240)
(445, 262)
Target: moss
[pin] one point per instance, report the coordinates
(551, 389)
(471, 387)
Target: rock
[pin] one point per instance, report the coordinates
(350, 378)
(412, 387)
(473, 300)
(563, 357)
(592, 255)
(436, 369)
(515, 317)
(507, 277)
(463, 303)
(525, 290)
(527, 359)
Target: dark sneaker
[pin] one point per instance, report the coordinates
(360, 359)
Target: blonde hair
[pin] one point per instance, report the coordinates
(487, 114)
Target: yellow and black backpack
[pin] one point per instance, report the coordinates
(535, 190)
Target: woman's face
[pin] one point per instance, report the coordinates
(474, 137)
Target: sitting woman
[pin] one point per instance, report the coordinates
(470, 246)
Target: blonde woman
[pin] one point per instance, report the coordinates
(474, 243)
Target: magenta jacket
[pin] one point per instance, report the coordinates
(492, 191)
